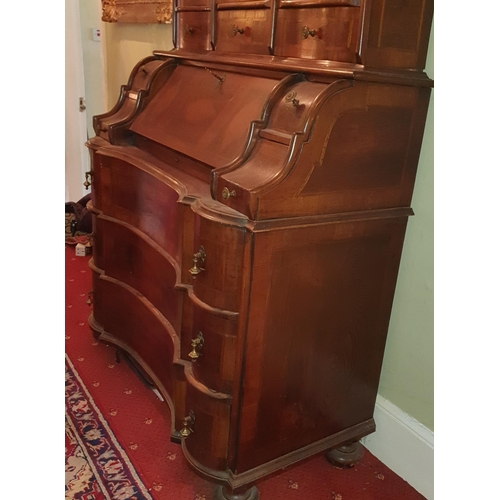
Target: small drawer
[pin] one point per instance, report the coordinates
(193, 30)
(323, 33)
(208, 341)
(245, 31)
(206, 428)
(216, 263)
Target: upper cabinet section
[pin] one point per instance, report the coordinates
(386, 34)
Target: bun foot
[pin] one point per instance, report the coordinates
(347, 455)
(221, 493)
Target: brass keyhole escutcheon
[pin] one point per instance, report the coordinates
(292, 97)
(196, 344)
(198, 258)
(226, 194)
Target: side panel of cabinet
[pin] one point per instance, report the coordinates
(362, 154)
(398, 34)
(320, 300)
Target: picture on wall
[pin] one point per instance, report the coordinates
(136, 11)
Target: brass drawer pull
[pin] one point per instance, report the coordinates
(306, 32)
(90, 298)
(188, 423)
(226, 194)
(189, 31)
(237, 30)
(198, 257)
(196, 344)
(87, 175)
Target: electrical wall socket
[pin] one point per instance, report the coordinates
(80, 250)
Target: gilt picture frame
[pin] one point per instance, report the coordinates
(137, 11)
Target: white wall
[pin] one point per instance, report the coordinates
(93, 63)
(76, 156)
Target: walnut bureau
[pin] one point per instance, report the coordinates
(250, 194)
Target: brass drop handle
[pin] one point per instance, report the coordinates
(90, 298)
(237, 30)
(226, 194)
(292, 97)
(198, 257)
(188, 424)
(307, 32)
(196, 344)
(87, 175)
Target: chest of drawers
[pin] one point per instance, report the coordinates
(250, 192)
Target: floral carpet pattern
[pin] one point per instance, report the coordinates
(96, 465)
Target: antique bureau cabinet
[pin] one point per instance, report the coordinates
(250, 192)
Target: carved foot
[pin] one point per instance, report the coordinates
(221, 493)
(347, 455)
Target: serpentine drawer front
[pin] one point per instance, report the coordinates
(250, 194)
(195, 27)
(129, 320)
(209, 343)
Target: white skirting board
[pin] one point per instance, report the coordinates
(404, 445)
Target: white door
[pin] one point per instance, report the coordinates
(77, 157)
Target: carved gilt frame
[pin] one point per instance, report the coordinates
(137, 11)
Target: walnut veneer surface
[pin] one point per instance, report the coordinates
(250, 192)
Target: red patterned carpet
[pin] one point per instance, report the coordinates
(118, 444)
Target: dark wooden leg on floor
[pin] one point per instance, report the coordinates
(176, 437)
(222, 493)
(346, 455)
